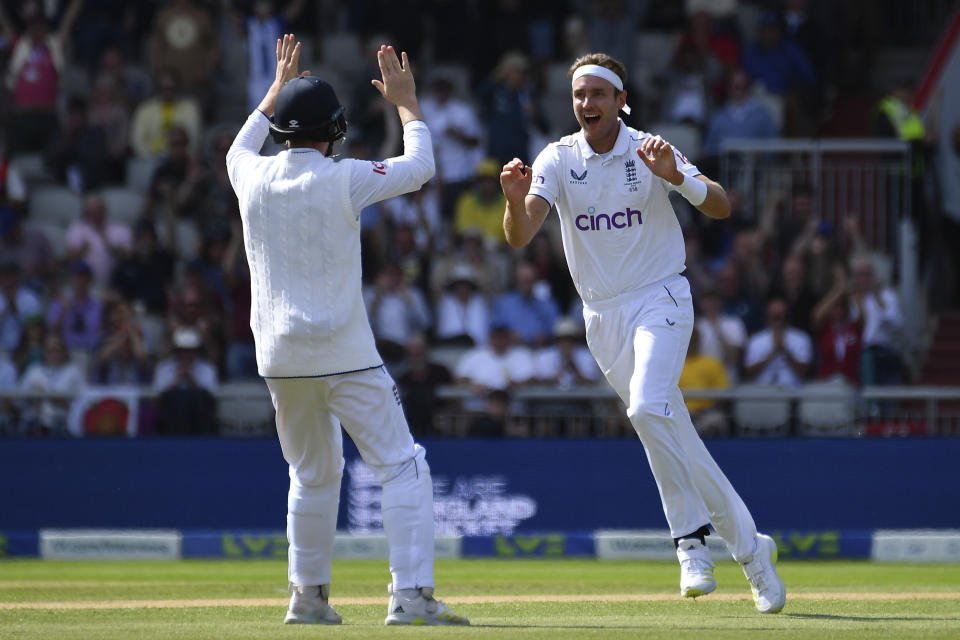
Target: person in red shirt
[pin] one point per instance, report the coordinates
(839, 334)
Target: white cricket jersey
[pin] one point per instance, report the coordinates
(619, 230)
(301, 229)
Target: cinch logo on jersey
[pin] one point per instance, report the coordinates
(593, 221)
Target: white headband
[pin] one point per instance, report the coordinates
(601, 72)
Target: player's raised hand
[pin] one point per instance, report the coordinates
(515, 180)
(288, 60)
(657, 154)
(397, 85)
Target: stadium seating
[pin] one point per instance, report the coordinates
(55, 204)
(762, 411)
(123, 204)
(828, 410)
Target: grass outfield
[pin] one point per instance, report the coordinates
(229, 600)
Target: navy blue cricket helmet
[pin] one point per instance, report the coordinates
(307, 107)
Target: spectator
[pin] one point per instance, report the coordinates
(457, 134)
(783, 69)
(186, 383)
(511, 113)
(720, 335)
(175, 179)
(78, 155)
(9, 420)
(418, 386)
(463, 317)
(736, 301)
(780, 65)
(397, 310)
(76, 315)
(497, 365)
(715, 53)
(98, 243)
(241, 358)
(701, 371)
(685, 94)
(567, 362)
(56, 374)
(839, 335)
(17, 304)
(110, 113)
(551, 271)
(183, 38)
(489, 268)
(482, 206)
(492, 421)
(203, 191)
(877, 307)
(404, 253)
(156, 117)
(529, 316)
(144, 274)
(121, 357)
(30, 350)
(779, 354)
(420, 213)
(131, 86)
(33, 75)
(27, 247)
(196, 307)
(741, 116)
(265, 24)
(800, 299)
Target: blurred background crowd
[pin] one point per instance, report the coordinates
(121, 256)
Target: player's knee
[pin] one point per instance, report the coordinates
(649, 408)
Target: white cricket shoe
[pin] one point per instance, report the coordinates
(422, 610)
(308, 605)
(769, 594)
(696, 569)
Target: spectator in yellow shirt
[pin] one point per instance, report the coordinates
(482, 206)
(702, 371)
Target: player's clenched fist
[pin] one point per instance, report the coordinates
(515, 179)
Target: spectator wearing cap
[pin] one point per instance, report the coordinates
(482, 206)
(56, 374)
(97, 242)
(497, 365)
(530, 313)
(457, 134)
(489, 267)
(567, 362)
(463, 316)
(76, 314)
(26, 246)
(17, 304)
(186, 382)
(511, 112)
(779, 354)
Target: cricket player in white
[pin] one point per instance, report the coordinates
(301, 228)
(625, 252)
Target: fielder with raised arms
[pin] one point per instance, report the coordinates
(301, 228)
(625, 251)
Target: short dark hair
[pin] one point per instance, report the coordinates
(603, 60)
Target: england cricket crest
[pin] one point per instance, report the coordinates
(630, 175)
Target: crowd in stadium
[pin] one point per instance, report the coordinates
(122, 259)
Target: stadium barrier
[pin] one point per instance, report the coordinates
(904, 545)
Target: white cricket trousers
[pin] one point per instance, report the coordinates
(640, 340)
(310, 412)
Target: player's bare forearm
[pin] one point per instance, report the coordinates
(522, 219)
(717, 205)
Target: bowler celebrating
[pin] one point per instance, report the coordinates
(625, 252)
(301, 228)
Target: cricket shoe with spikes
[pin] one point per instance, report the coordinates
(309, 605)
(696, 568)
(769, 593)
(422, 609)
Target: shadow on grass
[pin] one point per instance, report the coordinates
(830, 616)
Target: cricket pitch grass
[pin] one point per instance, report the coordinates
(543, 598)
